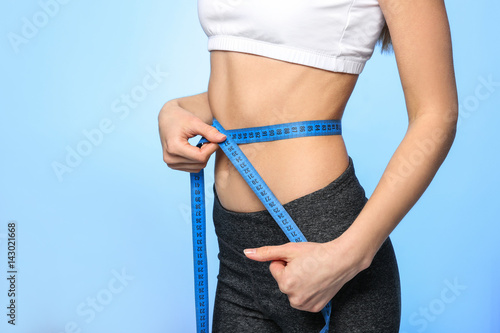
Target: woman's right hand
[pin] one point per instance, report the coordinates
(176, 126)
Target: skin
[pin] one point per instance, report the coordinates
(247, 90)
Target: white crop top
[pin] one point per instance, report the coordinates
(335, 35)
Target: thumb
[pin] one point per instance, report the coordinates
(208, 132)
(268, 253)
(277, 269)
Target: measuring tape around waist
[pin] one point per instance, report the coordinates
(260, 188)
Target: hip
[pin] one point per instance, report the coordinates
(321, 215)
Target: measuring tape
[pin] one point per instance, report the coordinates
(260, 188)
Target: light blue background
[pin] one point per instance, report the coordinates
(122, 210)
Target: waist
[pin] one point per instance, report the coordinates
(247, 91)
(291, 168)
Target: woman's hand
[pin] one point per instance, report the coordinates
(312, 273)
(176, 126)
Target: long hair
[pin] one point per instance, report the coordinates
(385, 40)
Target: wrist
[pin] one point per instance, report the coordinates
(358, 248)
(167, 107)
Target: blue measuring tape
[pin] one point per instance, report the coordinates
(260, 188)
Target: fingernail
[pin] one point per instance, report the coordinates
(249, 251)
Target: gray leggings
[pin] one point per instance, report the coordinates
(248, 298)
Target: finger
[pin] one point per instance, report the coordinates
(209, 148)
(209, 132)
(267, 253)
(184, 164)
(277, 268)
(189, 153)
(187, 167)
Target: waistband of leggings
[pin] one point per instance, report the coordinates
(336, 185)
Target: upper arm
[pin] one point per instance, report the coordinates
(422, 45)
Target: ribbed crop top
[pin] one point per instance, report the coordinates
(335, 35)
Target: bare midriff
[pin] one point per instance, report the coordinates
(248, 90)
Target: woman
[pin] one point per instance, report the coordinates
(283, 61)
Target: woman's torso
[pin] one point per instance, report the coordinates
(247, 90)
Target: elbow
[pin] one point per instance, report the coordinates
(445, 127)
(439, 123)
(452, 116)
(450, 122)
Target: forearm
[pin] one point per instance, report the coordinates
(197, 105)
(408, 173)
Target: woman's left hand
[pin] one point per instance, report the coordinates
(312, 273)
